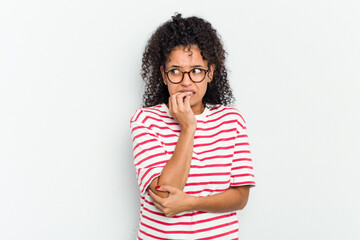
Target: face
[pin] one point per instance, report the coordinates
(185, 59)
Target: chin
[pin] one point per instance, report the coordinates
(193, 103)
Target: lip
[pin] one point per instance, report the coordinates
(189, 91)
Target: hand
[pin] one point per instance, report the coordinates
(180, 110)
(175, 203)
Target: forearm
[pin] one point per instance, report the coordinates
(229, 200)
(176, 170)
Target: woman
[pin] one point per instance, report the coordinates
(191, 152)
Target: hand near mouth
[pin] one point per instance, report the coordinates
(180, 110)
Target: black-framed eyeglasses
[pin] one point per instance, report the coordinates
(196, 75)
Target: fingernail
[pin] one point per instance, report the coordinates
(157, 187)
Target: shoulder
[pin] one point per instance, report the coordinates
(224, 113)
(144, 115)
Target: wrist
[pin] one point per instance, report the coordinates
(194, 203)
(188, 129)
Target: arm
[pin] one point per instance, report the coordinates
(176, 170)
(235, 198)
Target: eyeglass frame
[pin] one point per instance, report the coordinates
(183, 74)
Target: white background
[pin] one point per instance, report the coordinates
(70, 81)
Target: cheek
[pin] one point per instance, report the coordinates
(202, 89)
(172, 90)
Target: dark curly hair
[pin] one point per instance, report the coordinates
(181, 31)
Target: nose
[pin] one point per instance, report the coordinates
(186, 81)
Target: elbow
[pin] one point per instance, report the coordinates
(160, 193)
(164, 180)
(242, 204)
(243, 193)
(154, 183)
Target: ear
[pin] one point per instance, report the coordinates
(163, 74)
(211, 72)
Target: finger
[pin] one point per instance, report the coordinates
(187, 102)
(172, 104)
(167, 188)
(158, 206)
(180, 101)
(158, 188)
(155, 197)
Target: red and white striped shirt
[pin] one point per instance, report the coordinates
(220, 159)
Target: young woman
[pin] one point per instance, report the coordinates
(191, 152)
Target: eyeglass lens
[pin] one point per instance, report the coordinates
(196, 75)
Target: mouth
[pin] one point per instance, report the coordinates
(188, 92)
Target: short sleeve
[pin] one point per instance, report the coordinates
(242, 171)
(148, 153)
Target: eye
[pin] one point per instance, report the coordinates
(175, 72)
(197, 70)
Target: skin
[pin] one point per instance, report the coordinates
(185, 102)
(185, 59)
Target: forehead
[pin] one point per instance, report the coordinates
(186, 56)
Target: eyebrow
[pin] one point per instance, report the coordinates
(193, 66)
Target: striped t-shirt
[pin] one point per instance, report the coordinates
(220, 159)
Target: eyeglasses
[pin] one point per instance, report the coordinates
(196, 75)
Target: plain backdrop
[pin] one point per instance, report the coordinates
(70, 81)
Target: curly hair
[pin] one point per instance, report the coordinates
(181, 31)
